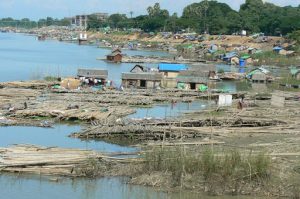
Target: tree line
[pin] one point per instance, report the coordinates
(212, 17)
(208, 16)
(27, 23)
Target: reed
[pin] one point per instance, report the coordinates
(208, 166)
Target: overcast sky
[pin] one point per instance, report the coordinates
(35, 9)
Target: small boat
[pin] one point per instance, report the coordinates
(41, 37)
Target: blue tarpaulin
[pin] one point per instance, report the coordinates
(172, 67)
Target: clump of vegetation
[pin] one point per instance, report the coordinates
(212, 170)
(51, 78)
(221, 71)
(272, 58)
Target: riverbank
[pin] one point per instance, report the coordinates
(257, 138)
(210, 49)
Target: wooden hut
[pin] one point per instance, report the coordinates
(141, 80)
(114, 57)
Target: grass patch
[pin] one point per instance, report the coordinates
(51, 78)
(272, 58)
(226, 170)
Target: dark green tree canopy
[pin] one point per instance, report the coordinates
(206, 16)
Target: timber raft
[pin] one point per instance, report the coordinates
(53, 161)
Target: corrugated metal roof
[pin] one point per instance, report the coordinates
(142, 76)
(172, 67)
(95, 73)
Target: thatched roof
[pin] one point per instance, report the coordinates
(142, 76)
(92, 73)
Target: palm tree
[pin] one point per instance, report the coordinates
(131, 13)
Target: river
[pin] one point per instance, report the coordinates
(24, 58)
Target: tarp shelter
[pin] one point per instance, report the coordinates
(70, 83)
(277, 49)
(202, 87)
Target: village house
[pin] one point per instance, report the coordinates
(192, 79)
(260, 75)
(93, 76)
(170, 72)
(115, 56)
(141, 80)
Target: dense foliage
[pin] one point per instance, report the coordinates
(215, 18)
(27, 23)
(208, 16)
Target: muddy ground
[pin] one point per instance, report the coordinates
(258, 127)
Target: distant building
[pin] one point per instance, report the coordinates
(81, 21)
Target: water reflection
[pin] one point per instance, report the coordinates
(28, 187)
(163, 111)
(23, 58)
(57, 136)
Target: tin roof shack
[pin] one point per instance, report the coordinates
(260, 75)
(93, 76)
(192, 79)
(141, 80)
(231, 58)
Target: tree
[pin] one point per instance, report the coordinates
(118, 20)
(131, 13)
(211, 16)
(49, 21)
